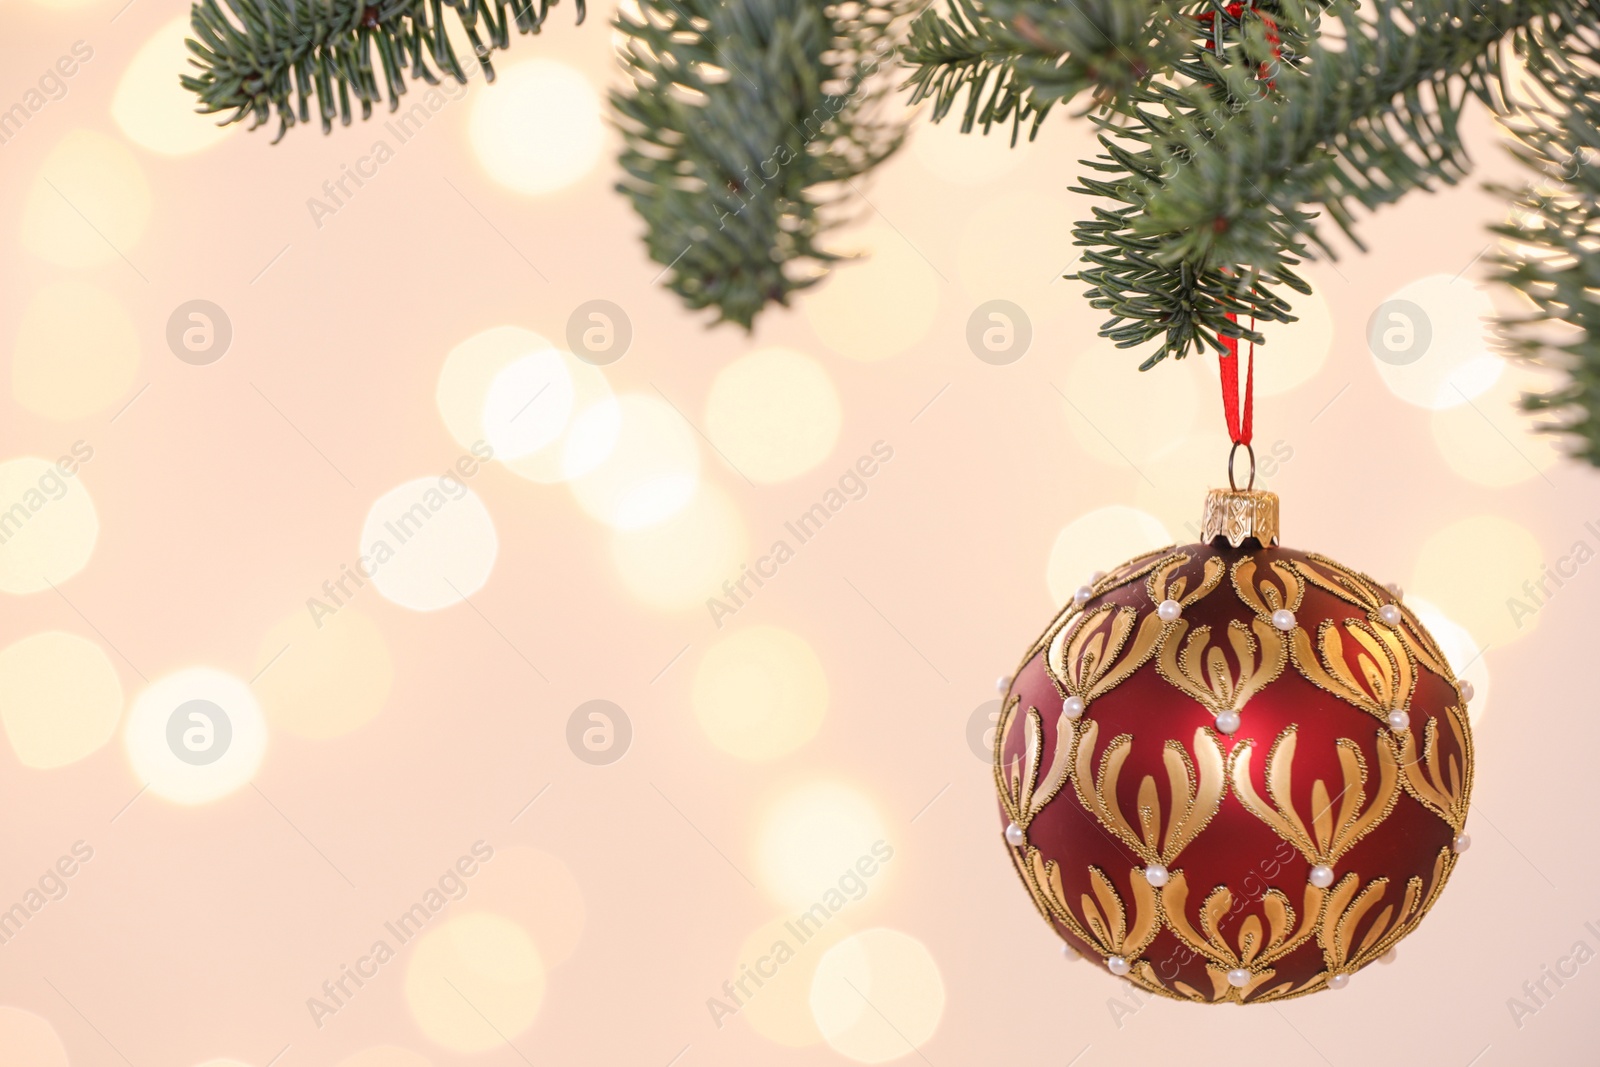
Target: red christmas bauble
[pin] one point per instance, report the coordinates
(1230, 771)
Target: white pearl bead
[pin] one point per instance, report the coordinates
(1461, 843)
(1070, 954)
(1002, 684)
(1096, 576)
(1464, 687)
(1338, 981)
(1399, 720)
(1169, 610)
(1238, 978)
(1395, 591)
(1072, 707)
(1227, 721)
(1081, 597)
(1118, 965)
(1389, 614)
(1014, 835)
(1156, 875)
(1390, 956)
(1283, 619)
(1322, 876)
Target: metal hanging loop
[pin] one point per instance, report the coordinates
(1232, 453)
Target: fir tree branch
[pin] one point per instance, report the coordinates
(1233, 134)
(743, 120)
(261, 56)
(1551, 252)
(1222, 178)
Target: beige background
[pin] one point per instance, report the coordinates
(767, 754)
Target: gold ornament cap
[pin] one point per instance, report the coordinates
(1240, 515)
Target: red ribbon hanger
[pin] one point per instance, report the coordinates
(1241, 422)
(1241, 418)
